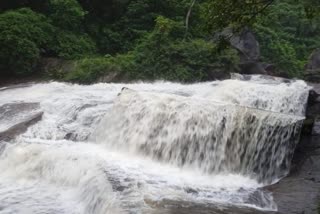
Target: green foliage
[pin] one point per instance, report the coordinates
(18, 55)
(287, 36)
(151, 39)
(68, 45)
(24, 34)
(160, 56)
(67, 14)
(88, 70)
(237, 14)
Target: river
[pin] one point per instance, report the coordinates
(151, 147)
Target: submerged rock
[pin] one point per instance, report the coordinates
(17, 117)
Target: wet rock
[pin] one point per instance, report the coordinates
(261, 78)
(190, 190)
(299, 192)
(166, 206)
(252, 67)
(269, 68)
(316, 127)
(312, 124)
(17, 117)
(23, 85)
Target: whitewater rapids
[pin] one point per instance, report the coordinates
(129, 148)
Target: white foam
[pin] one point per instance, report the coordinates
(54, 168)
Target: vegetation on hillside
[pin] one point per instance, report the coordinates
(151, 39)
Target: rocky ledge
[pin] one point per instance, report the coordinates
(17, 117)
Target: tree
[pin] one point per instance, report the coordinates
(66, 14)
(24, 35)
(237, 14)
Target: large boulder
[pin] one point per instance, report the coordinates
(15, 118)
(248, 48)
(247, 45)
(312, 123)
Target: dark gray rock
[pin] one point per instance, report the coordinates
(15, 118)
(312, 125)
(248, 49)
(269, 68)
(261, 78)
(182, 207)
(312, 72)
(247, 45)
(314, 61)
(316, 127)
(252, 67)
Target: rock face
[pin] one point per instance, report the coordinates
(249, 52)
(314, 61)
(17, 117)
(313, 112)
(312, 73)
(247, 44)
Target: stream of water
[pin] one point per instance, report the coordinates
(133, 148)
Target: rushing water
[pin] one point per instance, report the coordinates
(107, 149)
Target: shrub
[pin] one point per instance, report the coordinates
(18, 56)
(88, 70)
(67, 14)
(69, 45)
(24, 34)
(160, 56)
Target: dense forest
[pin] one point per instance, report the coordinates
(178, 40)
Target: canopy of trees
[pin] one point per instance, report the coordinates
(152, 39)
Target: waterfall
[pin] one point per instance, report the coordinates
(210, 136)
(133, 148)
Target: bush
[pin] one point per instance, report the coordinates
(160, 56)
(89, 70)
(17, 56)
(287, 37)
(67, 14)
(68, 45)
(24, 34)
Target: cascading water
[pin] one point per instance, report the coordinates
(99, 149)
(209, 136)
